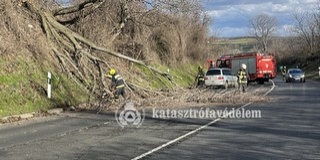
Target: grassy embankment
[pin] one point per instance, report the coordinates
(312, 70)
(24, 83)
(182, 76)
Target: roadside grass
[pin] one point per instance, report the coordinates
(312, 70)
(313, 75)
(182, 76)
(16, 95)
(23, 86)
(185, 75)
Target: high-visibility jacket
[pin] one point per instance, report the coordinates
(200, 75)
(284, 71)
(242, 75)
(109, 76)
(117, 81)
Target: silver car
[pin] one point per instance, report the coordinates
(295, 74)
(220, 77)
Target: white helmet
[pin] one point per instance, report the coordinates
(243, 66)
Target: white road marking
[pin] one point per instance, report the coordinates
(194, 131)
(272, 88)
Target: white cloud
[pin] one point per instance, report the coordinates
(280, 8)
(232, 16)
(248, 8)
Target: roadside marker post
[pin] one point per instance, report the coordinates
(49, 85)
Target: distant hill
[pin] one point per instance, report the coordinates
(220, 46)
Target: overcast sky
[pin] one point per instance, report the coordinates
(231, 17)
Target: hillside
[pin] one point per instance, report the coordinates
(25, 61)
(78, 46)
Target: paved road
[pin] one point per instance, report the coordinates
(286, 130)
(289, 129)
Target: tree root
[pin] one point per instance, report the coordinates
(74, 52)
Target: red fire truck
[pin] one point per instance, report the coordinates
(260, 66)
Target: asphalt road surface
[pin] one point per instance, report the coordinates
(287, 129)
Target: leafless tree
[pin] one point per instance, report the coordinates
(262, 27)
(317, 19)
(87, 37)
(305, 27)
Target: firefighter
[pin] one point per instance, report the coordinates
(200, 77)
(284, 72)
(242, 78)
(117, 84)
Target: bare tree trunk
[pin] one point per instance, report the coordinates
(75, 51)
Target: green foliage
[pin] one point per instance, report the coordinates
(24, 84)
(182, 76)
(185, 75)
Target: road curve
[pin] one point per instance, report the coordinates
(289, 129)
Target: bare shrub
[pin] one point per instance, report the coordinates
(168, 31)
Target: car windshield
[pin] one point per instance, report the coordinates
(213, 72)
(295, 71)
(226, 72)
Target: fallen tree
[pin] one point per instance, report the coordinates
(77, 55)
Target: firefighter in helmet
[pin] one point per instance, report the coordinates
(242, 78)
(200, 77)
(284, 72)
(117, 84)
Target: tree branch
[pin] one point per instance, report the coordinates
(75, 8)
